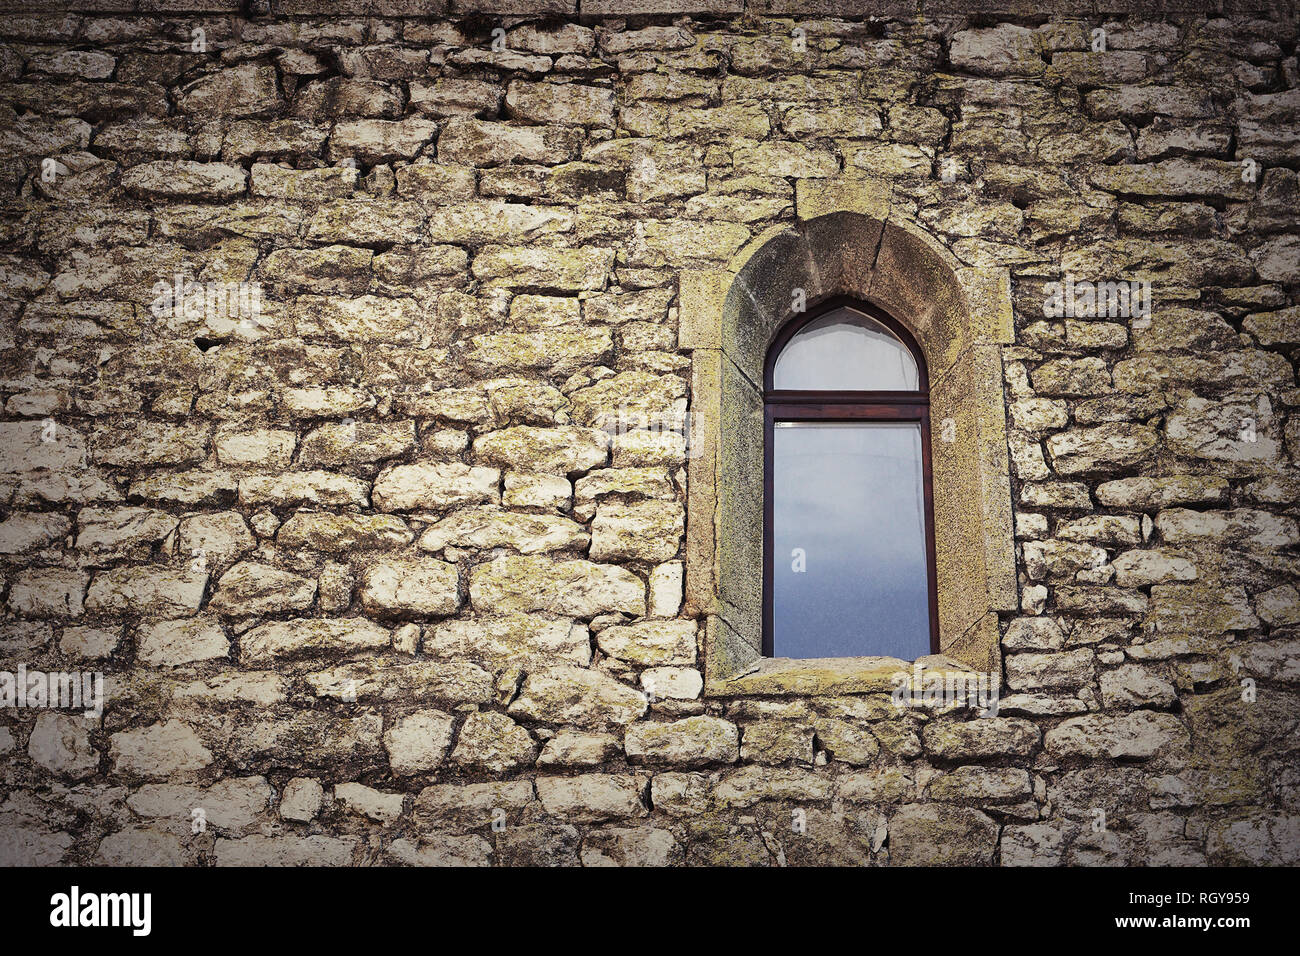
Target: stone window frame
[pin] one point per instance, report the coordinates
(847, 240)
(857, 406)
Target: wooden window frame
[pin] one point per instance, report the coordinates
(845, 406)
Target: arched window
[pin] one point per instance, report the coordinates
(848, 528)
(736, 324)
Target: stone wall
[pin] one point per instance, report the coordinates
(367, 583)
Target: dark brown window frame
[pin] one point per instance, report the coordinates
(840, 406)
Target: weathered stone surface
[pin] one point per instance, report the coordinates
(693, 741)
(318, 488)
(158, 752)
(492, 528)
(849, 741)
(311, 636)
(141, 846)
(578, 749)
(375, 804)
(1173, 177)
(632, 400)
(567, 103)
(980, 739)
(440, 849)
(484, 222)
(564, 694)
(184, 641)
(477, 143)
(1064, 669)
(230, 806)
(414, 586)
(301, 799)
(451, 96)
(666, 589)
(367, 318)
(250, 588)
(776, 742)
(1196, 609)
(1004, 50)
(376, 141)
(322, 531)
(563, 450)
(643, 531)
(1033, 634)
(472, 805)
(277, 182)
(556, 351)
(378, 678)
(388, 221)
(651, 642)
(511, 639)
(982, 784)
(89, 642)
(1106, 447)
(48, 592)
(1258, 839)
(493, 742)
(590, 797)
(748, 785)
(418, 742)
(20, 532)
(216, 540)
(1135, 569)
(117, 532)
(1156, 493)
(61, 744)
(287, 850)
(1279, 607)
(1274, 328)
(408, 487)
(1135, 686)
(1243, 526)
(185, 180)
(1060, 559)
(1138, 735)
(158, 590)
(247, 139)
(246, 90)
(571, 588)
(561, 270)
(631, 846)
(937, 835)
(1102, 529)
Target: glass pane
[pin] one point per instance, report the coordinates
(845, 350)
(849, 570)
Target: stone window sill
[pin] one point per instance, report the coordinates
(826, 675)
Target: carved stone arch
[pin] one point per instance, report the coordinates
(960, 317)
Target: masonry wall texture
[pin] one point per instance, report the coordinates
(366, 584)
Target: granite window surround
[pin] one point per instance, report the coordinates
(846, 242)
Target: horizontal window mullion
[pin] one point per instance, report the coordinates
(846, 398)
(880, 413)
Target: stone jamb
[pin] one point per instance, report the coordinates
(848, 240)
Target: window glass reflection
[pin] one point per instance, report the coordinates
(849, 565)
(845, 350)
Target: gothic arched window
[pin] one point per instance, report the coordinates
(849, 539)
